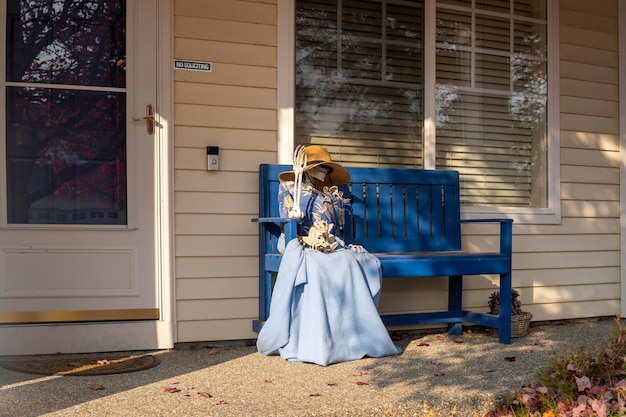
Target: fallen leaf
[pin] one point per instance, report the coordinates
(438, 373)
(268, 381)
(359, 373)
(610, 353)
(582, 383)
(458, 341)
(420, 343)
(510, 358)
(529, 399)
(205, 394)
(361, 383)
(96, 387)
(213, 351)
(103, 362)
(579, 409)
(562, 406)
(315, 394)
(172, 390)
(487, 370)
(440, 337)
(595, 390)
(332, 384)
(220, 402)
(621, 384)
(599, 407)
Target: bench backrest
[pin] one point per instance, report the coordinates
(390, 209)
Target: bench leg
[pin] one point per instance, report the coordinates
(505, 309)
(455, 302)
(265, 299)
(265, 296)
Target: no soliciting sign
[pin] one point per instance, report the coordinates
(193, 65)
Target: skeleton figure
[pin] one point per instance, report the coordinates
(323, 305)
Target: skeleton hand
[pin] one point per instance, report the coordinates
(356, 248)
(299, 163)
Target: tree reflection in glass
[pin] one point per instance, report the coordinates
(66, 112)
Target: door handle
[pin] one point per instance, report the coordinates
(148, 118)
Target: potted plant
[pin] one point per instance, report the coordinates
(520, 320)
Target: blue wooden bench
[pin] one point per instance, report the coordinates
(410, 220)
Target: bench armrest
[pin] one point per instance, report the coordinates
(506, 232)
(287, 225)
(486, 221)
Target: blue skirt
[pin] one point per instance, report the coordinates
(323, 308)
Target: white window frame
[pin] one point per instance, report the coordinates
(526, 215)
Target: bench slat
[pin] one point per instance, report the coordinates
(410, 203)
(385, 214)
(370, 213)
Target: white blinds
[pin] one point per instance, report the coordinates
(359, 80)
(359, 89)
(491, 99)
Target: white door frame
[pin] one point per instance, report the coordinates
(165, 174)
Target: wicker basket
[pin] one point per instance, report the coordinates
(520, 324)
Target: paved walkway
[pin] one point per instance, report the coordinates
(464, 373)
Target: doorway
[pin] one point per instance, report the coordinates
(83, 266)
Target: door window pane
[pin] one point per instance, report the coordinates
(66, 140)
(66, 162)
(66, 42)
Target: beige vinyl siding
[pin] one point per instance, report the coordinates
(566, 270)
(572, 269)
(233, 107)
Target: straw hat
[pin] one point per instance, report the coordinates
(318, 155)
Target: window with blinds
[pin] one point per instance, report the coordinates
(360, 83)
(491, 89)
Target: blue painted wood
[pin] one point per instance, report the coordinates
(409, 219)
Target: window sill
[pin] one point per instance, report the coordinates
(518, 214)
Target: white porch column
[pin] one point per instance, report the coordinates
(622, 141)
